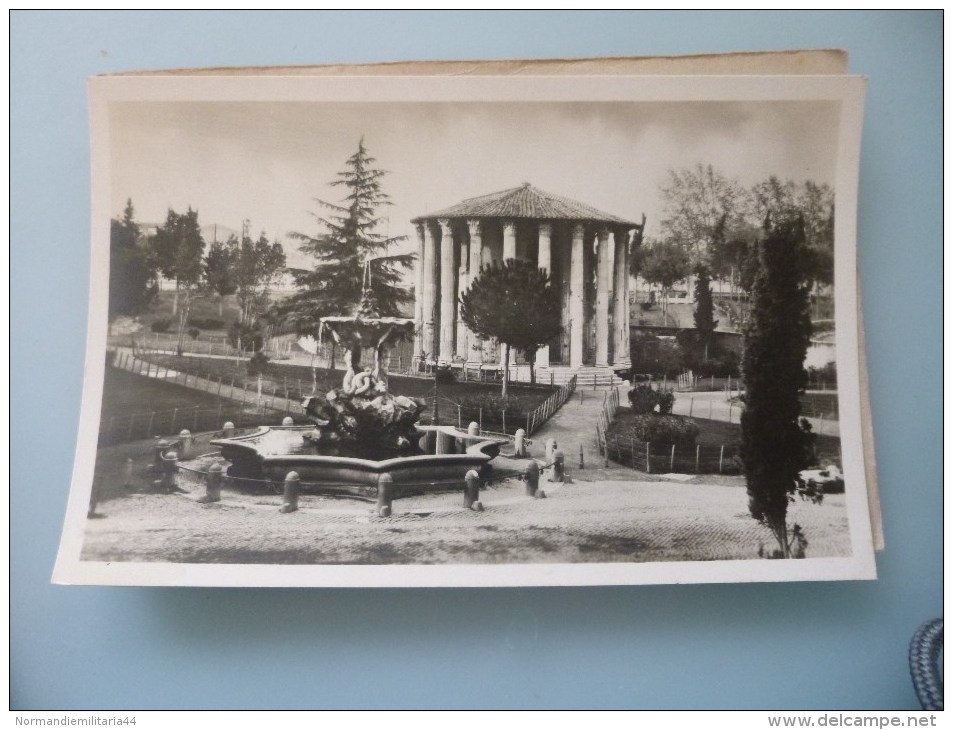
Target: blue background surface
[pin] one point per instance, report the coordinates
(799, 645)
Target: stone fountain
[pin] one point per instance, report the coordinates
(361, 430)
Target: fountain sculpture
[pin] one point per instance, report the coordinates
(361, 431)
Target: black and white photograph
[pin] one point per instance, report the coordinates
(449, 331)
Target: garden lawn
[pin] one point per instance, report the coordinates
(136, 407)
(297, 380)
(713, 434)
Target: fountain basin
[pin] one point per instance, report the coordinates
(443, 456)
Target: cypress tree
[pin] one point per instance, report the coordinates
(775, 443)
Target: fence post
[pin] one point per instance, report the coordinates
(481, 419)
(471, 497)
(671, 463)
(721, 458)
(175, 412)
(503, 412)
(218, 418)
(648, 458)
(385, 495)
(582, 462)
(129, 432)
(633, 451)
(290, 499)
(691, 406)
(698, 450)
(151, 419)
(231, 393)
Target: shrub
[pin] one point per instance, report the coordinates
(161, 325)
(445, 376)
(194, 332)
(644, 400)
(666, 399)
(251, 337)
(665, 430)
(257, 363)
(206, 323)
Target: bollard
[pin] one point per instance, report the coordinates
(185, 443)
(550, 450)
(473, 429)
(532, 479)
(582, 461)
(170, 468)
(228, 430)
(290, 500)
(519, 442)
(213, 485)
(287, 421)
(385, 495)
(558, 474)
(157, 454)
(472, 494)
(127, 475)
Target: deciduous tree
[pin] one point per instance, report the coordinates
(179, 245)
(664, 263)
(258, 265)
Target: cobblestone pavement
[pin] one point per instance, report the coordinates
(586, 521)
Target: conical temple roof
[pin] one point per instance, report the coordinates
(526, 202)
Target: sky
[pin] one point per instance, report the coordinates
(267, 162)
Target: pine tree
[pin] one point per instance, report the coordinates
(775, 443)
(515, 304)
(349, 238)
(132, 273)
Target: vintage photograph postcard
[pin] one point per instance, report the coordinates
(471, 331)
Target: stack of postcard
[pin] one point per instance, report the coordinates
(476, 324)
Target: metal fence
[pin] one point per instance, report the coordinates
(116, 429)
(666, 458)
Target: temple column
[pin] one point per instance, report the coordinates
(602, 299)
(544, 261)
(509, 252)
(447, 299)
(430, 311)
(577, 294)
(509, 240)
(419, 296)
(620, 319)
(476, 262)
(463, 282)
